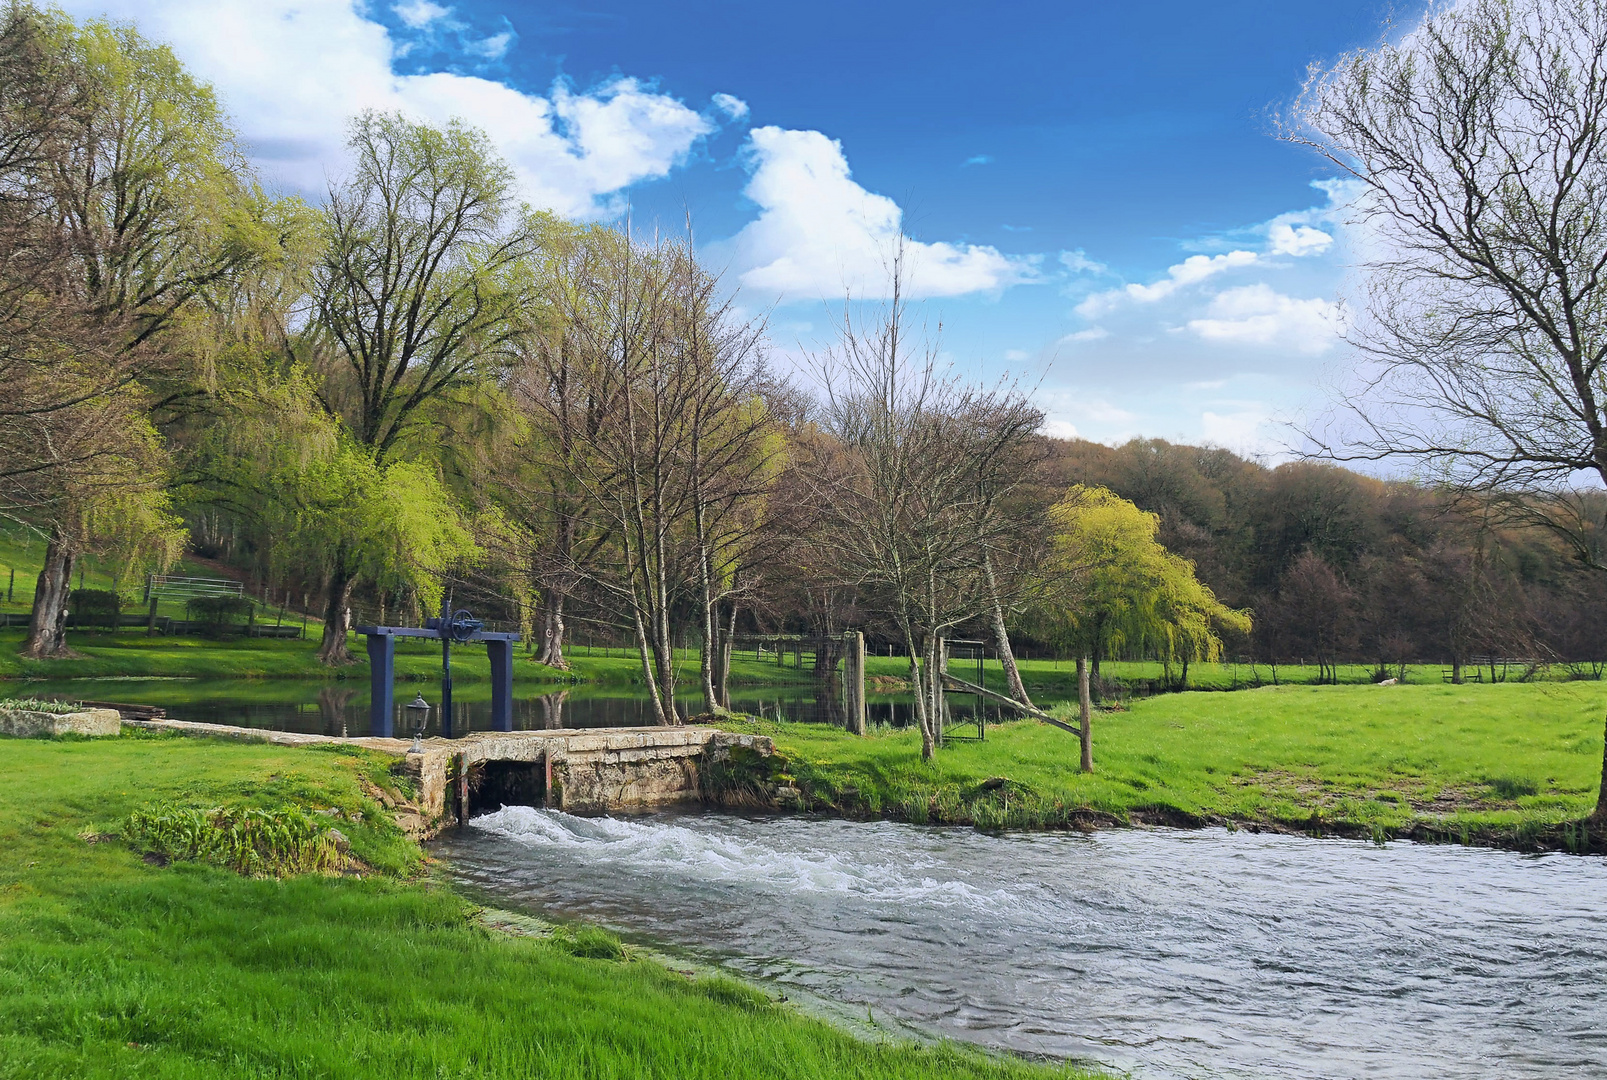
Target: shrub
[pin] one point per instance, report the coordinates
(38, 705)
(261, 843)
(95, 607)
(219, 615)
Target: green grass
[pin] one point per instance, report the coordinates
(1513, 765)
(110, 967)
(129, 653)
(22, 554)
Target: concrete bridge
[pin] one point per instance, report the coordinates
(577, 770)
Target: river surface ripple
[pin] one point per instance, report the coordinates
(1175, 954)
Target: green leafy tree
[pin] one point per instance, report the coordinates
(128, 200)
(417, 297)
(1111, 587)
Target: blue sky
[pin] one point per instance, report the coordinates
(1094, 189)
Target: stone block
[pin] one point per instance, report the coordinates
(27, 722)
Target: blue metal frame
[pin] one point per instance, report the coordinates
(382, 673)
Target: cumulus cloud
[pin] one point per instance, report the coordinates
(1194, 269)
(420, 13)
(1298, 240)
(733, 107)
(1078, 262)
(1259, 315)
(820, 234)
(292, 71)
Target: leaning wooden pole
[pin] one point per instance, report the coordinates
(1030, 710)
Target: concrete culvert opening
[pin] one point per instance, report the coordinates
(495, 784)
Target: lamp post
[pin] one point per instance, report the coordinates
(419, 710)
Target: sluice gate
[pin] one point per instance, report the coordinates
(580, 771)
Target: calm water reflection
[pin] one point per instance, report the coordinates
(342, 708)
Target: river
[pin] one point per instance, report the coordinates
(1174, 954)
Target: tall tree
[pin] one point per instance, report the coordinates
(1479, 143)
(416, 294)
(127, 200)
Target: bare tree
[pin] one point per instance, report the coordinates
(1480, 145)
(910, 484)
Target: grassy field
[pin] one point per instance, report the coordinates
(110, 967)
(1514, 765)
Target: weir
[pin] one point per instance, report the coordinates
(595, 771)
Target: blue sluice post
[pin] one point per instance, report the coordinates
(501, 656)
(381, 685)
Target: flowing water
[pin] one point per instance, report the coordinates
(1175, 954)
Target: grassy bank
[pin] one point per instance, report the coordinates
(113, 967)
(1509, 765)
(129, 654)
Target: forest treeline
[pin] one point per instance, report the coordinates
(1342, 567)
(421, 394)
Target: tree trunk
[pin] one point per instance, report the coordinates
(1001, 640)
(552, 632)
(918, 684)
(1600, 816)
(332, 650)
(709, 631)
(1085, 708)
(722, 682)
(1183, 679)
(47, 626)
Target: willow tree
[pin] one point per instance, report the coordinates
(126, 201)
(416, 298)
(1110, 587)
(1478, 145)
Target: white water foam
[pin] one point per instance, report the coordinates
(657, 847)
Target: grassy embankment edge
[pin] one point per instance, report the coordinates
(113, 966)
(1508, 766)
(130, 654)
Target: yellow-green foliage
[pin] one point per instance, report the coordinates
(1113, 587)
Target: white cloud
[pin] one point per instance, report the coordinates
(494, 47)
(1286, 239)
(291, 72)
(733, 106)
(1243, 431)
(1059, 429)
(1258, 315)
(978, 159)
(1190, 271)
(1093, 333)
(820, 234)
(1078, 262)
(420, 13)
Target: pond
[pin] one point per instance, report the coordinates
(341, 708)
(1174, 954)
